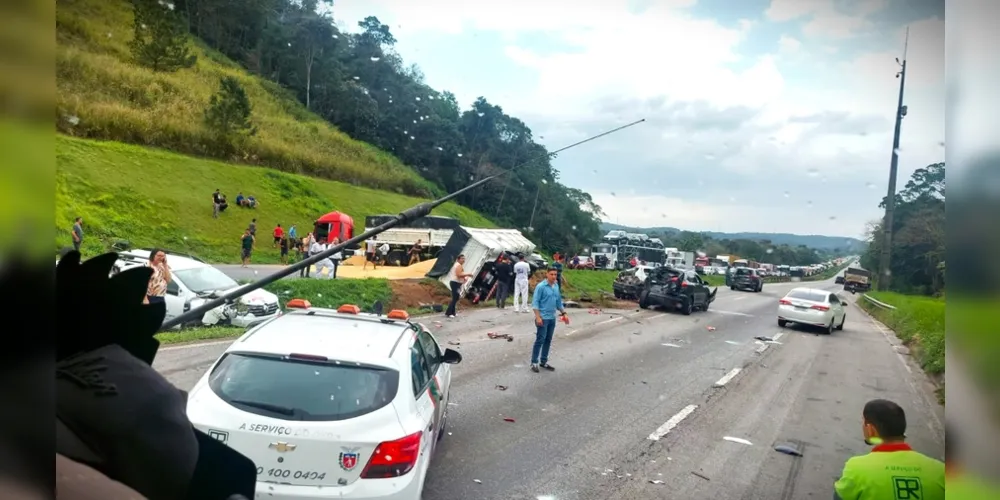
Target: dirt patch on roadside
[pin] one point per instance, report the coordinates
(413, 293)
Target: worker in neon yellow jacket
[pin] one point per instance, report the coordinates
(892, 470)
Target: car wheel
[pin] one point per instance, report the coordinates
(644, 300)
(841, 327)
(782, 323)
(732, 287)
(618, 294)
(705, 307)
(760, 287)
(829, 328)
(687, 307)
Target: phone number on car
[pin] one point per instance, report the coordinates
(295, 474)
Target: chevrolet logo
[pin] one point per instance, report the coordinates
(281, 447)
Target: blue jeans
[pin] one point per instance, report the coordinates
(543, 339)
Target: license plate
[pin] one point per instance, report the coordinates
(276, 473)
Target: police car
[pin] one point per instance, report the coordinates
(330, 403)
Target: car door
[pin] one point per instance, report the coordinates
(440, 371)
(426, 402)
(838, 309)
(431, 399)
(174, 300)
(699, 293)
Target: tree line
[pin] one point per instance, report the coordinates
(358, 82)
(918, 235)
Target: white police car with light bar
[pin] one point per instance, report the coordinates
(330, 403)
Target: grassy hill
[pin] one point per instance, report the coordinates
(103, 95)
(816, 241)
(158, 198)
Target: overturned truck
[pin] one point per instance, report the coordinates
(482, 248)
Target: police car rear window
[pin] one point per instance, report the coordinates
(804, 295)
(292, 389)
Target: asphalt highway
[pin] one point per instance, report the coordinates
(642, 402)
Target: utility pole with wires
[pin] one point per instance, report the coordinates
(531, 222)
(885, 260)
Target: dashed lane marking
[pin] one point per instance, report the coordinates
(669, 425)
(727, 377)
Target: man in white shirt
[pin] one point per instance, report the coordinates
(522, 271)
(370, 253)
(315, 249)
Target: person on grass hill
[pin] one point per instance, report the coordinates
(278, 234)
(892, 470)
(456, 278)
(247, 242)
(522, 272)
(77, 233)
(546, 301)
(216, 203)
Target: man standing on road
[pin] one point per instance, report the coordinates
(247, 241)
(456, 278)
(892, 469)
(502, 272)
(306, 253)
(77, 233)
(325, 264)
(546, 302)
(315, 248)
(522, 271)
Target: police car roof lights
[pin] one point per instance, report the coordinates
(349, 309)
(399, 314)
(298, 304)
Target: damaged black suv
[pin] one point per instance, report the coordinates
(673, 288)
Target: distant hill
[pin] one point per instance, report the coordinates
(816, 241)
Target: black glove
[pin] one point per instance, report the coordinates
(113, 411)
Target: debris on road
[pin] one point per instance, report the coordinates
(710, 328)
(495, 336)
(763, 338)
(477, 481)
(731, 342)
(701, 476)
(738, 440)
(501, 387)
(656, 481)
(670, 345)
(508, 419)
(788, 449)
(636, 333)
(452, 342)
(593, 310)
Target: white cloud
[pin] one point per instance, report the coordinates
(644, 64)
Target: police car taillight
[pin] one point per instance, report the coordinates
(393, 458)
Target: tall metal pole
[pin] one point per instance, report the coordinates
(885, 262)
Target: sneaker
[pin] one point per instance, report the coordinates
(548, 367)
(534, 368)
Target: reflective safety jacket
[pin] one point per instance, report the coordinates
(891, 472)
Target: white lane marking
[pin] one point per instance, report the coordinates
(197, 344)
(731, 313)
(670, 424)
(777, 335)
(741, 297)
(733, 342)
(670, 345)
(727, 377)
(738, 440)
(761, 349)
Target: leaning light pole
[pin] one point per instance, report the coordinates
(885, 260)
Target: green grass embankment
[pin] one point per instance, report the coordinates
(103, 94)
(152, 197)
(918, 321)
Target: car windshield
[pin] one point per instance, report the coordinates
(292, 389)
(807, 295)
(205, 279)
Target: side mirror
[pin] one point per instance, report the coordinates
(452, 357)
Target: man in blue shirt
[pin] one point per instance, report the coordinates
(545, 303)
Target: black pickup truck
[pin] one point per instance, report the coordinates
(673, 288)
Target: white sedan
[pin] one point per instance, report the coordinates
(330, 404)
(812, 307)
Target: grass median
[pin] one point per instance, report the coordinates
(918, 321)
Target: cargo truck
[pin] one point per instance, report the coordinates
(857, 279)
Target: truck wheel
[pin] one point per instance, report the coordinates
(395, 258)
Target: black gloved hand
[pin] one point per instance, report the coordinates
(113, 411)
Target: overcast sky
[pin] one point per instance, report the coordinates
(761, 115)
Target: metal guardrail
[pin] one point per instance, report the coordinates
(878, 303)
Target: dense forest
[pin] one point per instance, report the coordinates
(358, 82)
(918, 235)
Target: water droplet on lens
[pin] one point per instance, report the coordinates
(375, 59)
(417, 98)
(481, 114)
(459, 155)
(574, 228)
(770, 250)
(544, 181)
(813, 172)
(896, 151)
(787, 194)
(357, 78)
